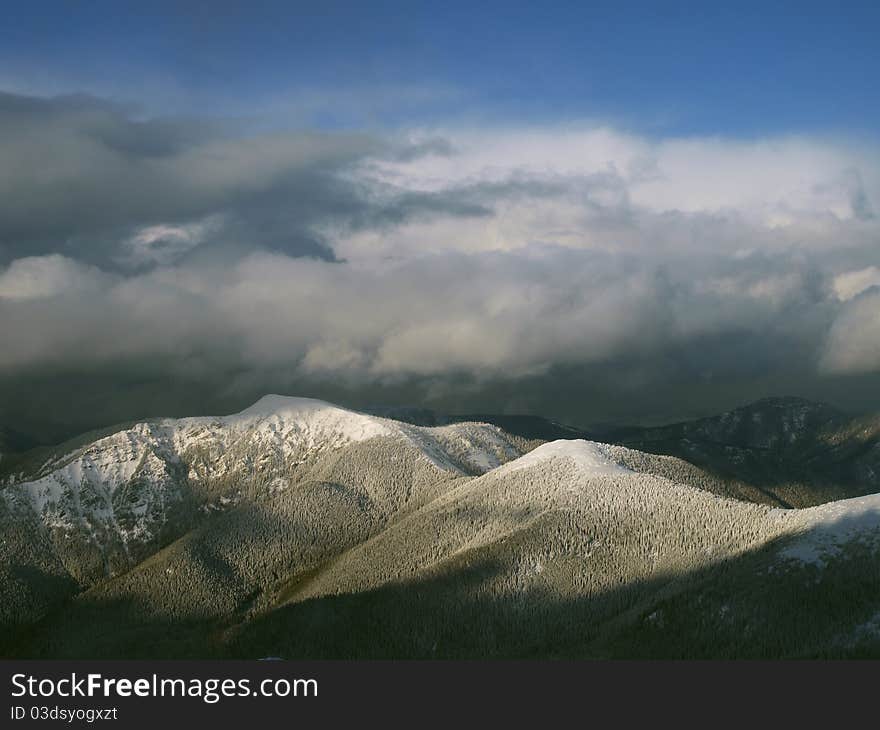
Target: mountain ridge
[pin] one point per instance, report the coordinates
(298, 528)
(797, 452)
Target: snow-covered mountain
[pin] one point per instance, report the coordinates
(783, 451)
(96, 510)
(574, 550)
(590, 491)
(128, 481)
(298, 528)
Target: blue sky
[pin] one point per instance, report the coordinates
(668, 68)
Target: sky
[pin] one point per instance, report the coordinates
(745, 68)
(597, 212)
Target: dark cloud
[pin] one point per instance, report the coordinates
(172, 266)
(80, 174)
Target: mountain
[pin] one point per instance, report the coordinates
(791, 452)
(87, 513)
(572, 550)
(786, 452)
(300, 529)
(413, 415)
(526, 426)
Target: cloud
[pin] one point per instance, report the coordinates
(484, 256)
(599, 188)
(85, 177)
(853, 344)
(852, 283)
(489, 315)
(41, 277)
(163, 244)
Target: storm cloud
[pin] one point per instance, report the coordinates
(484, 257)
(82, 176)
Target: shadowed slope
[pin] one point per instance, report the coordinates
(567, 551)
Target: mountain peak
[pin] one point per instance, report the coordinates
(588, 456)
(314, 421)
(273, 403)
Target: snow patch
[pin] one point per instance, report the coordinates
(826, 528)
(315, 416)
(587, 456)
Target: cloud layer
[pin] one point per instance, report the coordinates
(481, 254)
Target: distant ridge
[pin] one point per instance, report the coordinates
(526, 426)
(799, 452)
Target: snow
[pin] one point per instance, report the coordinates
(824, 529)
(482, 459)
(79, 487)
(274, 430)
(313, 416)
(277, 434)
(287, 405)
(588, 456)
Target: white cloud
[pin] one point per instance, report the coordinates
(495, 315)
(516, 251)
(852, 283)
(41, 277)
(598, 188)
(854, 341)
(799, 174)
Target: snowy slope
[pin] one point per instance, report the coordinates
(127, 483)
(823, 531)
(435, 520)
(588, 457)
(575, 513)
